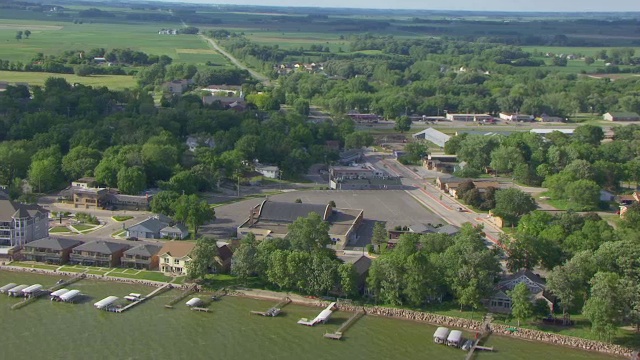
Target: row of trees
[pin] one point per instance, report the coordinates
(299, 262)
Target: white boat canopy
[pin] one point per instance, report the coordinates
(7, 287)
(31, 289)
(194, 302)
(69, 295)
(105, 302)
(441, 333)
(57, 293)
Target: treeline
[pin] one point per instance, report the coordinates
(299, 262)
(61, 132)
(574, 168)
(427, 77)
(84, 63)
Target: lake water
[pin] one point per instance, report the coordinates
(51, 330)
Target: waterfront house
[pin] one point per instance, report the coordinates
(98, 253)
(50, 250)
(143, 256)
(224, 259)
(361, 265)
(174, 257)
(500, 301)
(21, 224)
(157, 227)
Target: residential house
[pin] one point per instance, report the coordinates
(469, 117)
(176, 87)
(98, 253)
(50, 250)
(361, 265)
(482, 186)
(85, 183)
(621, 116)
(144, 256)
(606, 196)
(176, 231)
(500, 301)
(154, 227)
(448, 229)
(224, 259)
(441, 163)
(194, 142)
(22, 223)
(225, 90)
(175, 256)
(627, 200)
(226, 102)
(268, 171)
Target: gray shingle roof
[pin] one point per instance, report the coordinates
(101, 247)
(151, 224)
(144, 250)
(288, 212)
(360, 263)
(53, 243)
(448, 229)
(176, 229)
(10, 209)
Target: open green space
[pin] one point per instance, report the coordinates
(59, 229)
(115, 82)
(84, 227)
(121, 218)
(224, 331)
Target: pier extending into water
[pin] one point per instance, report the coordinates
(39, 293)
(275, 310)
(163, 288)
(337, 335)
(486, 331)
(190, 290)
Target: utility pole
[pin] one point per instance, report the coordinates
(238, 184)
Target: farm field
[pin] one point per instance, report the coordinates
(115, 82)
(54, 37)
(587, 51)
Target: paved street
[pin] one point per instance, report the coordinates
(430, 196)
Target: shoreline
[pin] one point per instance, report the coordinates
(401, 314)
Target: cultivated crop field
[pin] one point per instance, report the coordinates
(114, 82)
(53, 37)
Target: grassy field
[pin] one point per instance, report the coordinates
(586, 51)
(114, 82)
(53, 37)
(59, 229)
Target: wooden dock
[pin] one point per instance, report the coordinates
(63, 284)
(202, 309)
(275, 310)
(190, 290)
(155, 292)
(337, 335)
(486, 331)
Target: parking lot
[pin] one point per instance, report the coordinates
(394, 207)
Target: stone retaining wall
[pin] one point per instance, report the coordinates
(92, 277)
(502, 330)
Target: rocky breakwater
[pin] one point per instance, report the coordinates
(563, 340)
(502, 330)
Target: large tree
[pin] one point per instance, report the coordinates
(512, 203)
(605, 307)
(380, 235)
(80, 161)
(202, 258)
(521, 307)
(310, 233)
(131, 180)
(403, 123)
(245, 258)
(189, 209)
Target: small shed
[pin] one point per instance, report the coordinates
(440, 336)
(7, 287)
(194, 302)
(106, 302)
(69, 296)
(454, 338)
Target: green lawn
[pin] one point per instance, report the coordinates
(84, 227)
(121, 218)
(59, 229)
(143, 275)
(31, 265)
(115, 82)
(118, 233)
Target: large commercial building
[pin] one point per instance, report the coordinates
(271, 219)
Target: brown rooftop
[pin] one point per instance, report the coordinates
(177, 249)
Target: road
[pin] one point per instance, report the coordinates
(435, 200)
(263, 79)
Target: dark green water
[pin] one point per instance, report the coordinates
(49, 330)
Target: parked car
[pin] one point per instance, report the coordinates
(132, 238)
